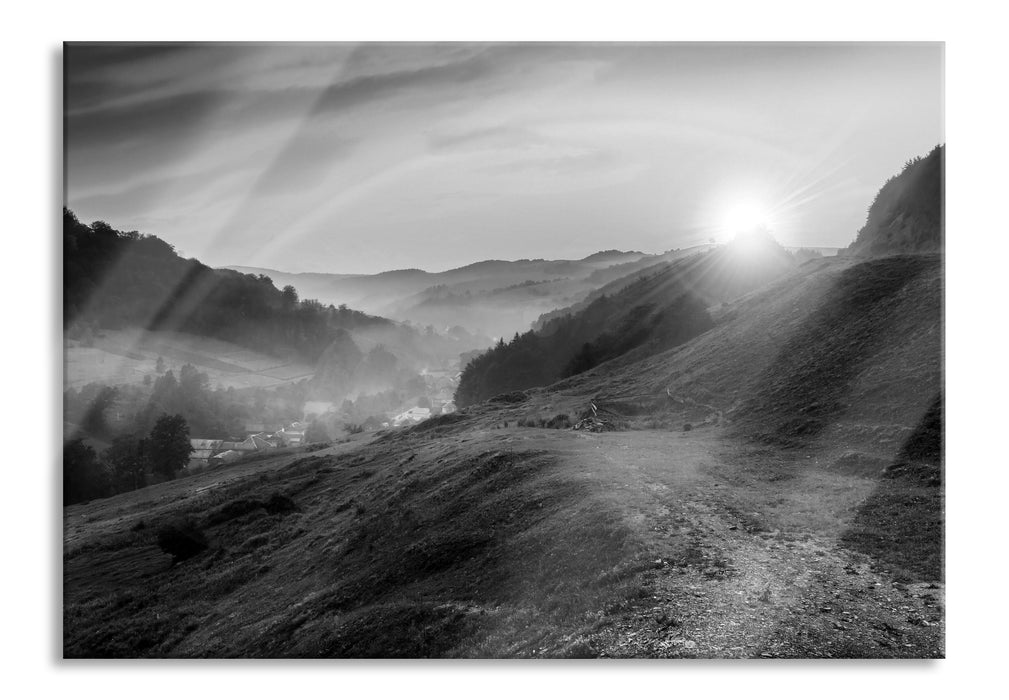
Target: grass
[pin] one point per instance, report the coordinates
(901, 523)
(457, 552)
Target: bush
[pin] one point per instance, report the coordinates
(182, 539)
(687, 427)
(559, 422)
(510, 397)
(279, 503)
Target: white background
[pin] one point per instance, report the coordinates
(977, 417)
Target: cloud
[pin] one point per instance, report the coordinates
(486, 137)
(351, 93)
(243, 149)
(302, 163)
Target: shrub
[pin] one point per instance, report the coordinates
(182, 539)
(559, 422)
(279, 503)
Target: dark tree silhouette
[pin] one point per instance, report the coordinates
(289, 297)
(115, 279)
(95, 422)
(570, 344)
(128, 459)
(84, 477)
(169, 445)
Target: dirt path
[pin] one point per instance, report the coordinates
(745, 551)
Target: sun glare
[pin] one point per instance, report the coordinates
(744, 216)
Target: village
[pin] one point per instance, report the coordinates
(261, 437)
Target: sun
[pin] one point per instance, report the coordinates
(745, 216)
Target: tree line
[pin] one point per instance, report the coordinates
(574, 343)
(126, 464)
(114, 279)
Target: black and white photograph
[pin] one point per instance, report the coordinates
(502, 350)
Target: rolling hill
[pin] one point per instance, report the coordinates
(493, 297)
(650, 310)
(907, 214)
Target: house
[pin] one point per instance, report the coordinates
(290, 438)
(203, 451)
(228, 456)
(246, 445)
(261, 443)
(266, 441)
(413, 415)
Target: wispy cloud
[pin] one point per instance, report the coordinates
(239, 149)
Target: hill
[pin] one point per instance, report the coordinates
(120, 279)
(654, 309)
(907, 214)
(492, 297)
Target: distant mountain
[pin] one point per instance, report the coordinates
(117, 279)
(495, 297)
(907, 214)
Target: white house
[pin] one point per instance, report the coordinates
(413, 415)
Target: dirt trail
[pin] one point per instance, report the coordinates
(745, 552)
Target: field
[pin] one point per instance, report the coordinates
(127, 356)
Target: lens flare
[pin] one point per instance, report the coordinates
(745, 216)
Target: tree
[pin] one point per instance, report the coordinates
(169, 445)
(159, 367)
(316, 433)
(94, 420)
(127, 457)
(84, 477)
(289, 297)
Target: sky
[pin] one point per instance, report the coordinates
(359, 158)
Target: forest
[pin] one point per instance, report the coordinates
(575, 343)
(115, 279)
